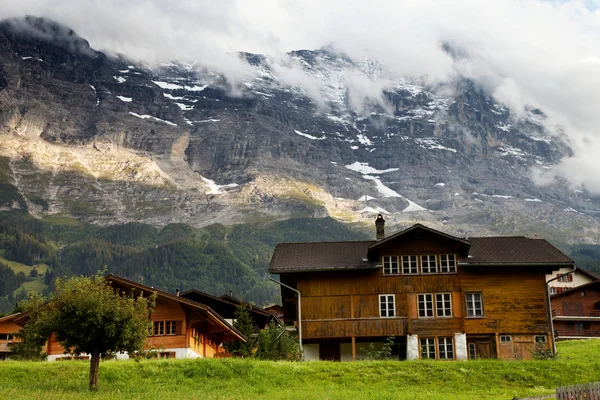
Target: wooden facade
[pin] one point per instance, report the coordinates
(576, 312)
(181, 328)
(7, 329)
(460, 309)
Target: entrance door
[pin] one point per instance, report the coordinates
(329, 350)
(481, 347)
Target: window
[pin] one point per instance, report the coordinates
(428, 264)
(540, 339)
(552, 290)
(505, 339)
(447, 263)
(443, 305)
(6, 336)
(159, 328)
(474, 303)
(445, 348)
(472, 351)
(425, 302)
(390, 265)
(428, 348)
(565, 278)
(171, 327)
(387, 307)
(409, 265)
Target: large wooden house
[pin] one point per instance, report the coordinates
(181, 328)
(438, 295)
(576, 312)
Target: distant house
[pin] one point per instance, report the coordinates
(7, 328)
(576, 312)
(181, 328)
(567, 279)
(438, 295)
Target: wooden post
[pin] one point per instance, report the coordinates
(353, 348)
(498, 346)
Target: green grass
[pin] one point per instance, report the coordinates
(19, 267)
(249, 379)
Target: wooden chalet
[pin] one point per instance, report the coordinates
(227, 306)
(181, 328)
(565, 279)
(438, 295)
(576, 312)
(7, 328)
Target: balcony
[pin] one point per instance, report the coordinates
(576, 333)
(575, 314)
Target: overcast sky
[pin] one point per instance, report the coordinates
(538, 53)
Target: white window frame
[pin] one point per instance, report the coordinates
(539, 338)
(447, 263)
(471, 304)
(552, 290)
(446, 304)
(505, 339)
(445, 348)
(388, 265)
(430, 269)
(170, 327)
(410, 265)
(426, 299)
(387, 303)
(427, 348)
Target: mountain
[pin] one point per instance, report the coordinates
(108, 140)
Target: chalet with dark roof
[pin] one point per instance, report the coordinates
(576, 312)
(438, 295)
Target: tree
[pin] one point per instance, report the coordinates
(243, 322)
(87, 315)
(276, 343)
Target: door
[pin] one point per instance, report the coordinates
(481, 347)
(329, 350)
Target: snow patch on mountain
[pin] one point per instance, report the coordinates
(364, 168)
(311, 137)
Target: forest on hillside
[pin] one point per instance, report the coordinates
(216, 259)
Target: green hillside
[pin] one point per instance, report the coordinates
(226, 379)
(216, 259)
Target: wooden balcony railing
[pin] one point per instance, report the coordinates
(583, 333)
(589, 313)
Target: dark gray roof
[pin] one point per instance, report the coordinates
(514, 250)
(500, 250)
(320, 256)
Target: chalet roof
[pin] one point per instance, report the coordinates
(205, 309)
(224, 299)
(576, 289)
(9, 317)
(517, 250)
(321, 256)
(494, 250)
(415, 227)
(592, 275)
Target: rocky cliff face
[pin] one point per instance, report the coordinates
(108, 140)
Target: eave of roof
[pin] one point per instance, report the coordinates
(180, 299)
(575, 289)
(327, 268)
(9, 317)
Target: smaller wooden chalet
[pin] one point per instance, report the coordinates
(181, 328)
(227, 306)
(576, 312)
(566, 278)
(7, 328)
(439, 296)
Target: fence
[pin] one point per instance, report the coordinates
(586, 391)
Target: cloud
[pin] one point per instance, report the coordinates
(526, 53)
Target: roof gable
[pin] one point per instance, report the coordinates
(570, 291)
(415, 229)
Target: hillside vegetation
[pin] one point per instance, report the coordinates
(248, 379)
(216, 259)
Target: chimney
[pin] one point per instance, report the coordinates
(380, 227)
(177, 292)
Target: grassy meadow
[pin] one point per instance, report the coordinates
(579, 362)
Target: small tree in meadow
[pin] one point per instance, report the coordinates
(87, 315)
(243, 323)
